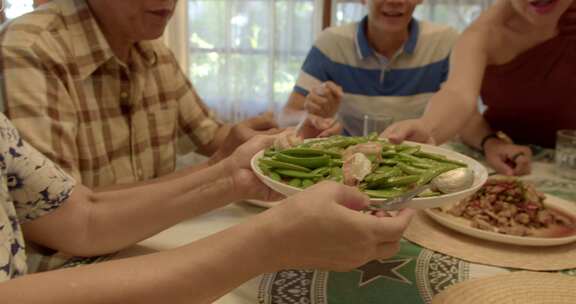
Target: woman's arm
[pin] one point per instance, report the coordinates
(502, 155)
(475, 130)
(312, 230)
(452, 106)
(93, 223)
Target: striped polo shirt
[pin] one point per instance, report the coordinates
(399, 87)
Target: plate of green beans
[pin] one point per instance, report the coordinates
(393, 169)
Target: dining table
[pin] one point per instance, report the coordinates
(414, 275)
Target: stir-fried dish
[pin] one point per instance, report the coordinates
(509, 206)
(379, 168)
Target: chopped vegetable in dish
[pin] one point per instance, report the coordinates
(508, 206)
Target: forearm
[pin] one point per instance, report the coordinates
(168, 177)
(105, 222)
(120, 221)
(447, 113)
(197, 273)
(475, 130)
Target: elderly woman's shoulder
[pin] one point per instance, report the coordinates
(9, 135)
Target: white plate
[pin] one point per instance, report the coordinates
(480, 176)
(463, 225)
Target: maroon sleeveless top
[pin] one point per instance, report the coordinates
(533, 96)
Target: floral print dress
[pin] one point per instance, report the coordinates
(30, 186)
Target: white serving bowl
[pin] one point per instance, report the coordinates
(480, 176)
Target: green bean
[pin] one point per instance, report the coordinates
(389, 154)
(381, 180)
(282, 165)
(295, 182)
(432, 173)
(385, 193)
(372, 136)
(336, 174)
(440, 158)
(265, 169)
(336, 171)
(307, 183)
(429, 193)
(275, 176)
(383, 169)
(309, 152)
(321, 171)
(433, 156)
(308, 162)
(389, 161)
(336, 162)
(400, 148)
(396, 181)
(411, 150)
(427, 165)
(294, 173)
(409, 169)
(269, 152)
(411, 158)
(371, 157)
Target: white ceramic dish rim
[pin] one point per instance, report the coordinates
(463, 226)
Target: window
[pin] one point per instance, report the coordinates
(15, 8)
(245, 54)
(457, 13)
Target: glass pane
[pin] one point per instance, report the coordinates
(298, 16)
(250, 82)
(207, 23)
(458, 16)
(246, 54)
(348, 12)
(250, 24)
(15, 8)
(206, 72)
(285, 75)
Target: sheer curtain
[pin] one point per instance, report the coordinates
(15, 8)
(245, 54)
(457, 13)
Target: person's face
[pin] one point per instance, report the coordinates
(541, 12)
(391, 15)
(137, 19)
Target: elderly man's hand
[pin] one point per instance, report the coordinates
(246, 184)
(243, 131)
(240, 158)
(321, 228)
(324, 100)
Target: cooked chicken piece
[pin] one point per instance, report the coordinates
(287, 140)
(522, 218)
(480, 224)
(356, 168)
(371, 148)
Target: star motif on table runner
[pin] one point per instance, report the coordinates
(386, 269)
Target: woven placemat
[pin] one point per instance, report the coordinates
(425, 232)
(513, 288)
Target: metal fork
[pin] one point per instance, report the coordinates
(397, 202)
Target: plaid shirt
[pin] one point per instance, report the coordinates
(102, 120)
